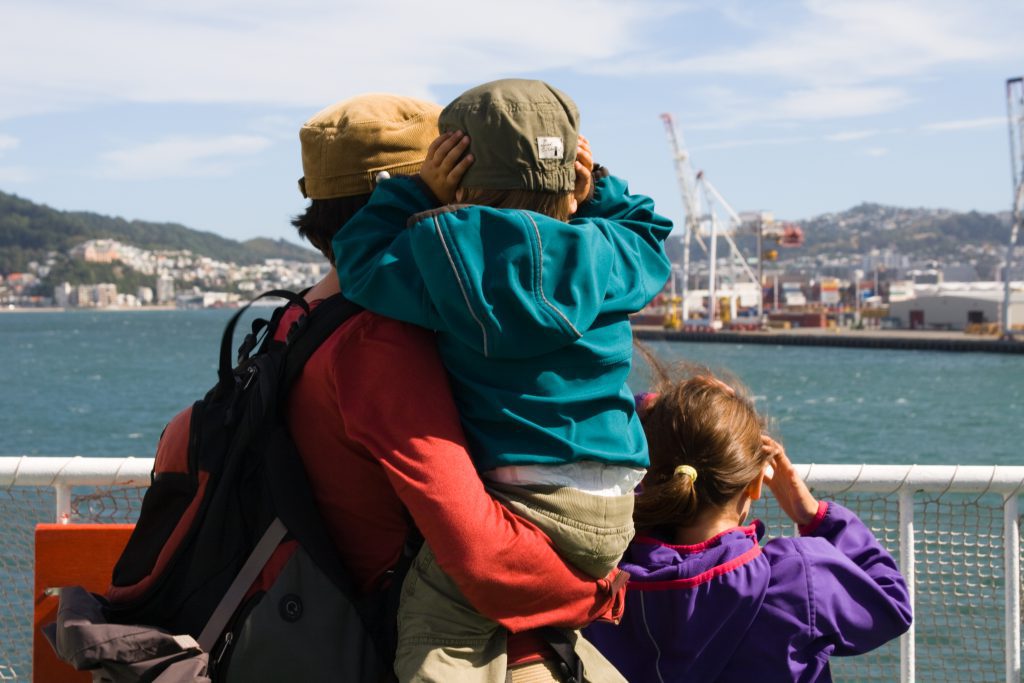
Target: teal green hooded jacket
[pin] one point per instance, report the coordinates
(530, 312)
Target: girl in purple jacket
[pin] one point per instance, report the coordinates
(706, 602)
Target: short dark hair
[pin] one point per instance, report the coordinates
(552, 204)
(324, 217)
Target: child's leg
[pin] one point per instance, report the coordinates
(590, 531)
(441, 638)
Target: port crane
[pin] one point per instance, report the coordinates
(709, 215)
(1015, 120)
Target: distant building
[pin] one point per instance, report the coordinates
(164, 289)
(956, 309)
(128, 301)
(145, 295)
(81, 295)
(959, 273)
(199, 299)
(97, 251)
(931, 276)
(884, 260)
(901, 290)
(62, 295)
(218, 299)
(105, 294)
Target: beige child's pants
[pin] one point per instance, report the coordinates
(442, 639)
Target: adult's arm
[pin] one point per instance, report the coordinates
(506, 567)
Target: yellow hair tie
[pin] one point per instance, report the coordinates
(686, 470)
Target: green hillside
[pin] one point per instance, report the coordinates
(28, 231)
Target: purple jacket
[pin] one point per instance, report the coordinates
(729, 610)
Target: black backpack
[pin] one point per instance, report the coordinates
(228, 488)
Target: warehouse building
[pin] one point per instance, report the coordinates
(955, 308)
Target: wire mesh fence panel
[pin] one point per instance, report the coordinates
(21, 509)
(960, 588)
(959, 585)
(106, 505)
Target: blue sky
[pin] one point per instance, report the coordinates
(189, 110)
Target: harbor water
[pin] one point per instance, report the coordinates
(105, 383)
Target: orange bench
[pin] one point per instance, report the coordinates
(69, 554)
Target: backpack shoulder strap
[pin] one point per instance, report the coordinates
(289, 483)
(224, 373)
(258, 558)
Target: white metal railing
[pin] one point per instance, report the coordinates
(63, 473)
(904, 481)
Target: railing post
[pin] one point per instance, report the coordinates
(63, 503)
(908, 665)
(1011, 579)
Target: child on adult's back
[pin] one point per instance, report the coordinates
(529, 282)
(705, 601)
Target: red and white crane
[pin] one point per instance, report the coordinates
(709, 215)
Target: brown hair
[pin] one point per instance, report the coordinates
(707, 424)
(553, 204)
(324, 217)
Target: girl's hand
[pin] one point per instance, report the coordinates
(786, 485)
(584, 170)
(445, 165)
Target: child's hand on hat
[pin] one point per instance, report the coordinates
(584, 170)
(789, 489)
(445, 165)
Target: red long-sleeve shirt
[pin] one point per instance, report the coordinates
(373, 418)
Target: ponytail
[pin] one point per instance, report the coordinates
(704, 438)
(670, 499)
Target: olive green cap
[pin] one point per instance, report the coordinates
(347, 144)
(522, 135)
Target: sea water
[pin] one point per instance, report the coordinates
(104, 383)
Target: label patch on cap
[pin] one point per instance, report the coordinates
(550, 148)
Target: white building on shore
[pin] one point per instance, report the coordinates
(955, 305)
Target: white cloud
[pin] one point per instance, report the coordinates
(7, 142)
(798, 106)
(876, 151)
(837, 102)
(850, 135)
(966, 124)
(855, 41)
(177, 157)
(303, 53)
(754, 142)
(830, 59)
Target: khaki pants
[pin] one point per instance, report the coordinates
(442, 639)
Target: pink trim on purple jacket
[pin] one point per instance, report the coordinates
(729, 610)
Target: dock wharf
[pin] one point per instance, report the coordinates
(906, 340)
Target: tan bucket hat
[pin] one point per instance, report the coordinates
(347, 144)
